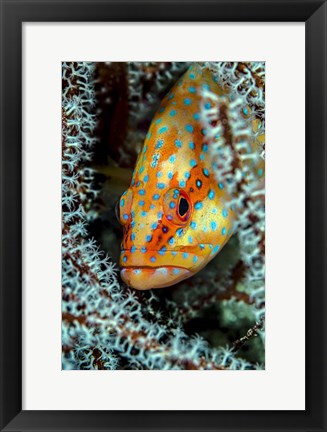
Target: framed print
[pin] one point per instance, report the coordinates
(163, 215)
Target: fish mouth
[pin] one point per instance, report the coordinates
(144, 278)
(161, 268)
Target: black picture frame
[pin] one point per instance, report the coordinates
(13, 14)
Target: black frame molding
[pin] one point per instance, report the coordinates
(13, 14)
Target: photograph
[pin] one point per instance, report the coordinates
(163, 215)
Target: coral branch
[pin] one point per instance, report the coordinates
(252, 332)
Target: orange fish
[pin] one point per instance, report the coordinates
(174, 213)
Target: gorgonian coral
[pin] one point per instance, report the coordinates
(106, 325)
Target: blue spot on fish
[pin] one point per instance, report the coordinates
(162, 250)
(163, 129)
(155, 159)
(159, 144)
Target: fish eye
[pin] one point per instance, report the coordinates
(177, 206)
(183, 206)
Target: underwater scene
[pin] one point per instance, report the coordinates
(163, 215)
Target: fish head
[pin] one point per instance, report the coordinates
(170, 235)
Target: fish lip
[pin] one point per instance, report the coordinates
(155, 279)
(154, 267)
